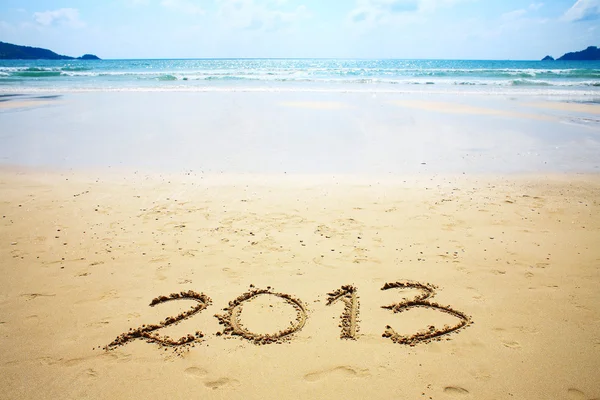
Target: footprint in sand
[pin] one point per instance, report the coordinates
(111, 294)
(47, 360)
(32, 296)
(511, 344)
(104, 322)
(195, 372)
(528, 329)
(117, 356)
(72, 361)
(32, 320)
(60, 361)
(92, 373)
(476, 295)
(159, 259)
(576, 394)
(455, 391)
(343, 371)
(221, 383)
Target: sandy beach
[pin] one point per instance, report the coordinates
(478, 231)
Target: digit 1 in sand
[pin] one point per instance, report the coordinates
(349, 317)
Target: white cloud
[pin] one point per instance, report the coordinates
(370, 13)
(63, 16)
(583, 10)
(513, 15)
(389, 6)
(535, 6)
(521, 13)
(522, 20)
(135, 3)
(376, 12)
(431, 5)
(265, 15)
(5, 27)
(186, 6)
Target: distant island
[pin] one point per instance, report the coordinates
(10, 51)
(592, 53)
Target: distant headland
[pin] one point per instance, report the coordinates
(592, 53)
(10, 51)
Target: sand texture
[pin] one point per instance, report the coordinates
(122, 286)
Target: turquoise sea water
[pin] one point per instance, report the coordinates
(204, 74)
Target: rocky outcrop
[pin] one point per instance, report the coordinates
(592, 53)
(10, 51)
(88, 57)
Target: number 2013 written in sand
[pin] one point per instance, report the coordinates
(347, 294)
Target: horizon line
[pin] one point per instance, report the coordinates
(309, 58)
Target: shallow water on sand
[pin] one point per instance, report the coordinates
(295, 132)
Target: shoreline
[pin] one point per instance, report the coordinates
(113, 174)
(566, 92)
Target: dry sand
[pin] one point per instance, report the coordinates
(83, 255)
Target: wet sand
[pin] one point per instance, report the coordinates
(569, 106)
(316, 133)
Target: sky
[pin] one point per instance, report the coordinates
(407, 29)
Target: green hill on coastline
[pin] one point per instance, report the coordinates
(592, 53)
(10, 51)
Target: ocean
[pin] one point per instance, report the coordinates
(580, 77)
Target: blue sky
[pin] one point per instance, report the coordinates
(455, 29)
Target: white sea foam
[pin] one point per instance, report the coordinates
(377, 76)
(558, 93)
